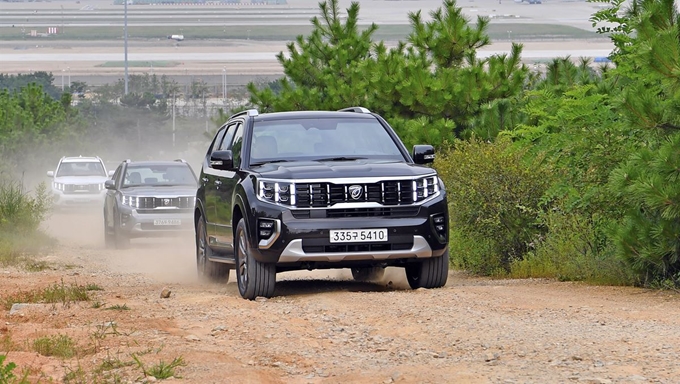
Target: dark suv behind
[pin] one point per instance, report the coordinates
(318, 189)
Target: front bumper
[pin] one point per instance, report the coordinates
(146, 223)
(61, 199)
(298, 239)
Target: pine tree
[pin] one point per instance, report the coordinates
(648, 184)
(431, 88)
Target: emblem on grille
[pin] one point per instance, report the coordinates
(166, 202)
(355, 191)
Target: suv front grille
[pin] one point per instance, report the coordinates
(183, 202)
(72, 189)
(322, 194)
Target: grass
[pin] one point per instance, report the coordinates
(58, 345)
(162, 370)
(56, 293)
(119, 307)
(387, 32)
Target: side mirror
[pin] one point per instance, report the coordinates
(110, 184)
(423, 154)
(222, 160)
(50, 173)
(111, 173)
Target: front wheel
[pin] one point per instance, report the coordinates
(429, 273)
(254, 278)
(207, 269)
(108, 236)
(120, 239)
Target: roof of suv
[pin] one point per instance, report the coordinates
(80, 159)
(312, 114)
(156, 162)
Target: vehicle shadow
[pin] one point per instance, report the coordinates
(287, 288)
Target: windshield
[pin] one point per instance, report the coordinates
(159, 174)
(324, 139)
(81, 168)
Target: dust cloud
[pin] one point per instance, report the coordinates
(165, 259)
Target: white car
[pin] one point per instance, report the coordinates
(79, 181)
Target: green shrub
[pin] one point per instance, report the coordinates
(57, 345)
(494, 200)
(20, 211)
(573, 249)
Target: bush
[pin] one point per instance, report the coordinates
(573, 249)
(20, 217)
(19, 211)
(494, 200)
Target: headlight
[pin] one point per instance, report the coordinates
(425, 188)
(58, 186)
(276, 192)
(131, 201)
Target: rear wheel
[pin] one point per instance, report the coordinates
(368, 273)
(254, 278)
(207, 269)
(429, 273)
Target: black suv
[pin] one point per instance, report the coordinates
(318, 189)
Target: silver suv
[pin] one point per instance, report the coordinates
(79, 181)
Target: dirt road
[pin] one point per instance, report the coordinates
(324, 328)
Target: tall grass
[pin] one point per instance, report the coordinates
(21, 213)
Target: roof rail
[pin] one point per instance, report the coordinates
(247, 112)
(355, 109)
(181, 160)
(127, 161)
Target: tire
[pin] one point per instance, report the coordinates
(120, 239)
(109, 241)
(254, 278)
(429, 273)
(368, 273)
(208, 270)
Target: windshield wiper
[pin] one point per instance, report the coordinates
(268, 162)
(340, 158)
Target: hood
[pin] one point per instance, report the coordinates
(170, 191)
(301, 170)
(80, 180)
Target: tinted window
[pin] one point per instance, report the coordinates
(314, 139)
(158, 174)
(237, 145)
(81, 168)
(228, 137)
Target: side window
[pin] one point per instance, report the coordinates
(216, 141)
(116, 175)
(228, 136)
(237, 145)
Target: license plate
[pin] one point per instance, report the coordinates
(167, 222)
(358, 235)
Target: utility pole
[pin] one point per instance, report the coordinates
(173, 119)
(126, 46)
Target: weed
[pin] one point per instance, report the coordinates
(97, 304)
(100, 333)
(57, 345)
(6, 370)
(93, 287)
(162, 370)
(56, 293)
(119, 307)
